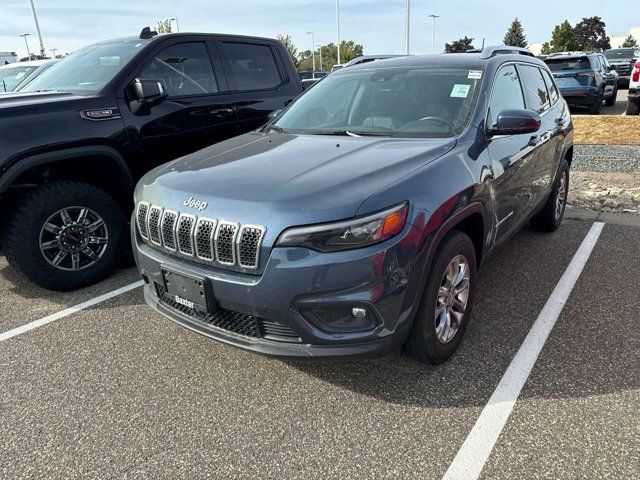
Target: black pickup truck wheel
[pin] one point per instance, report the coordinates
(64, 235)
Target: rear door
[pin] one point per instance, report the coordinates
(198, 111)
(511, 156)
(258, 79)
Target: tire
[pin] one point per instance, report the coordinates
(33, 249)
(610, 102)
(424, 343)
(550, 217)
(596, 107)
(633, 108)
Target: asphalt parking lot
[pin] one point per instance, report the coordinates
(618, 109)
(117, 391)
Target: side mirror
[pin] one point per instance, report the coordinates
(516, 122)
(148, 91)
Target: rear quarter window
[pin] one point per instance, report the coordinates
(535, 90)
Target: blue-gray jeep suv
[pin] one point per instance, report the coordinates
(356, 220)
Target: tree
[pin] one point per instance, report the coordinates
(562, 40)
(515, 35)
(287, 41)
(348, 51)
(459, 46)
(164, 26)
(590, 34)
(630, 42)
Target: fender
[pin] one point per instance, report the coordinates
(26, 163)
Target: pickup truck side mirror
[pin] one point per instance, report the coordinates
(147, 93)
(516, 122)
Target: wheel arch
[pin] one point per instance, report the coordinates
(102, 166)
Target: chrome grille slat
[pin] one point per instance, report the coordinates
(153, 224)
(205, 229)
(249, 243)
(184, 233)
(141, 217)
(225, 243)
(168, 229)
(205, 240)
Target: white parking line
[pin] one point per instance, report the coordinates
(68, 311)
(475, 450)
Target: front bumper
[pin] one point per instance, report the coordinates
(295, 281)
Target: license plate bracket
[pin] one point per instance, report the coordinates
(187, 290)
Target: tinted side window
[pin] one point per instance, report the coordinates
(183, 69)
(551, 87)
(252, 66)
(507, 93)
(535, 90)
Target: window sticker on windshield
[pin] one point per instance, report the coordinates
(475, 74)
(460, 91)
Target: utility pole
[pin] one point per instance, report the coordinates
(25, 35)
(53, 52)
(433, 34)
(338, 27)
(313, 52)
(320, 57)
(35, 18)
(407, 27)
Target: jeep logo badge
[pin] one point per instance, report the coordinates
(197, 204)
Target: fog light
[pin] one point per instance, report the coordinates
(358, 312)
(342, 319)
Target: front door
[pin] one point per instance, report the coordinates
(197, 112)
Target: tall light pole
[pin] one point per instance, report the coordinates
(53, 52)
(177, 25)
(320, 57)
(35, 18)
(25, 35)
(433, 33)
(338, 27)
(407, 27)
(313, 52)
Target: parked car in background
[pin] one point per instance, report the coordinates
(623, 60)
(309, 78)
(356, 221)
(15, 75)
(84, 131)
(633, 100)
(585, 79)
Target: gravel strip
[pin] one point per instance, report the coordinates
(606, 158)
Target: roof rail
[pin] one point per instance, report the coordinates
(489, 52)
(575, 52)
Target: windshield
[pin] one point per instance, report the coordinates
(399, 102)
(622, 53)
(11, 77)
(86, 71)
(580, 63)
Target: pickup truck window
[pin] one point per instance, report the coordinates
(253, 66)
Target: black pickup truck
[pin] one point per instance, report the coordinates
(75, 140)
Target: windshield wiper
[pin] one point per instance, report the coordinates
(275, 128)
(349, 133)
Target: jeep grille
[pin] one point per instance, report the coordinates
(206, 240)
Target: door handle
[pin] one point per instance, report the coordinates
(222, 112)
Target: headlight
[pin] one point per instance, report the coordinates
(348, 234)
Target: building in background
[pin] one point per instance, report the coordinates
(8, 57)
(618, 38)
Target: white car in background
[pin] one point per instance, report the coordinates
(633, 101)
(15, 75)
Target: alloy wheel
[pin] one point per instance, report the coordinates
(452, 299)
(561, 198)
(74, 238)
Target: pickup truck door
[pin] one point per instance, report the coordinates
(198, 111)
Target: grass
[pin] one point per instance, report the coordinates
(606, 129)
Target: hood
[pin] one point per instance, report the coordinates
(34, 99)
(281, 180)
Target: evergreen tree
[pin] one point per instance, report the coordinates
(515, 35)
(630, 42)
(459, 46)
(562, 40)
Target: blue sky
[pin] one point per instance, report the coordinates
(379, 25)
